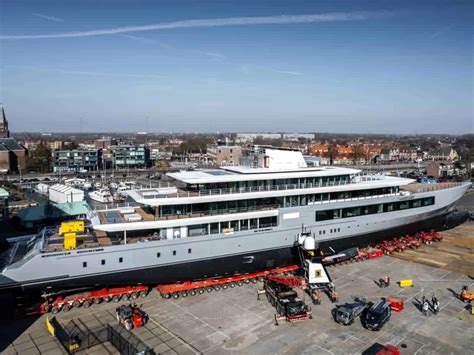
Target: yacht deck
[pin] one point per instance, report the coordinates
(418, 187)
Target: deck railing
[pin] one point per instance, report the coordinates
(149, 193)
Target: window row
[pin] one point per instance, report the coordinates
(262, 203)
(372, 209)
(158, 255)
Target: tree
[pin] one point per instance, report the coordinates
(71, 146)
(39, 160)
(357, 152)
(332, 153)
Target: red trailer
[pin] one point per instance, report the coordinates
(86, 299)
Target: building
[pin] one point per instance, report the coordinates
(407, 154)
(443, 153)
(4, 204)
(64, 194)
(51, 214)
(12, 156)
(319, 150)
(131, 156)
(76, 160)
(224, 154)
(105, 143)
(440, 169)
(389, 155)
(4, 132)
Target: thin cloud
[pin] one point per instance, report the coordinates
(89, 73)
(219, 22)
(441, 31)
(246, 68)
(46, 17)
(288, 72)
(213, 55)
(138, 39)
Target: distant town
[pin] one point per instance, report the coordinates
(440, 157)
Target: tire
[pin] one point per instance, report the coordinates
(217, 288)
(200, 291)
(143, 294)
(231, 284)
(209, 289)
(107, 299)
(175, 295)
(116, 299)
(86, 304)
(126, 297)
(55, 310)
(183, 294)
(225, 286)
(239, 283)
(254, 281)
(65, 308)
(97, 300)
(134, 295)
(166, 296)
(246, 281)
(76, 304)
(192, 292)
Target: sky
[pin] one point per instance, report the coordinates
(237, 66)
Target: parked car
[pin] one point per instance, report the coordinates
(377, 315)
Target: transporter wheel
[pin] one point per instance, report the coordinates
(86, 304)
(231, 284)
(254, 281)
(200, 291)
(166, 296)
(116, 299)
(65, 308)
(143, 294)
(183, 294)
(192, 292)
(217, 287)
(134, 295)
(125, 297)
(260, 278)
(55, 310)
(225, 286)
(97, 300)
(175, 295)
(107, 299)
(209, 289)
(76, 304)
(239, 283)
(246, 281)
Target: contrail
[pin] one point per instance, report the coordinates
(49, 18)
(218, 22)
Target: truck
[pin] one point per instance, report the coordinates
(286, 302)
(346, 314)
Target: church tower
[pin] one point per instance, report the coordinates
(4, 132)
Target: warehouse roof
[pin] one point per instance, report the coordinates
(58, 210)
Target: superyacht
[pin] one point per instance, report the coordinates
(228, 221)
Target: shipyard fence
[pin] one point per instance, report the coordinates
(76, 338)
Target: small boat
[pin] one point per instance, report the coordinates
(102, 195)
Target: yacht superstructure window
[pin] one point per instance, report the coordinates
(373, 209)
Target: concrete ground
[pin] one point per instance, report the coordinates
(233, 321)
